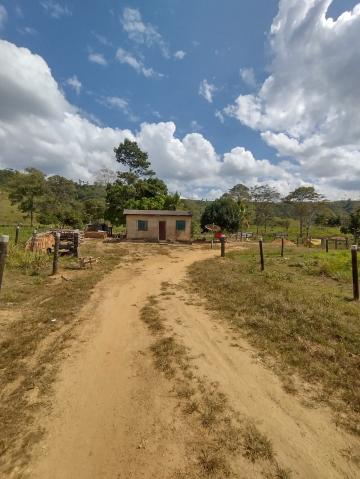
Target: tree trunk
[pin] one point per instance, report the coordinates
(301, 226)
(31, 217)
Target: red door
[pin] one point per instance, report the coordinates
(162, 230)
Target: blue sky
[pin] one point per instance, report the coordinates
(212, 38)
(174, 47)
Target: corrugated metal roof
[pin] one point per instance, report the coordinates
(157, 212)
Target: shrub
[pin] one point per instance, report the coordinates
(26, 261)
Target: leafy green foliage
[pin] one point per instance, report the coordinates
(307, 204)
(224, 212)
(136, 187)
(6, 176)
(26, 190)
(264, 197)
(239, 192)
(353, 225)
(53, 200)
(26, 261)
(134, 160)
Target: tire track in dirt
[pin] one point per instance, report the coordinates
(305, 439)
(115, 416)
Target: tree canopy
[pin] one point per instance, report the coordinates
(305, 201)
(136, 186)
(264, 198)
(224, 212)
(26, 190)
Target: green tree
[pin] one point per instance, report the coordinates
(264, 198)
(306, 201)
(352, 226)
(27, 190)
(348, 206)
(135, 161)
(7, 176)
(136, 186)
(59, 204)
(223, 212)
(239, 192)
(94, 210)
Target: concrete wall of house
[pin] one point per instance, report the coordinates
(153, 227)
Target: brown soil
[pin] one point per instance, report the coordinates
(115, 416)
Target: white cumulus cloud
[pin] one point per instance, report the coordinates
(142, 33)
(40, 128)
(307, 108)
(55, 9)
(3, 16)
(97, 58)
(74, 83)
(248, 76)
(127, 58)
(207, 90)
(179, 55)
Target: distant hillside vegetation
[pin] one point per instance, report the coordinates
(9, 214)
(197, 207)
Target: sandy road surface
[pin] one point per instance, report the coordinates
(114, 415)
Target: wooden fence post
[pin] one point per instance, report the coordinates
(222, 241)
(336, 244)
(17, 232)
(282, 247)
(76, 244)
(262, 263)
(56, 253)
(4, 242)
(327, 245)
(355, 272)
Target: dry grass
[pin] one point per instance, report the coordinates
(220, 434)
(43, 313)
(306, 323)
(256, 445)
(213, 462)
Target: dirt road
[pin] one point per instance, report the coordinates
(116, 416)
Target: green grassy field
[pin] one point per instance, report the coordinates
(9, 214)
(293, 230)
(298, 313)
(25, 232)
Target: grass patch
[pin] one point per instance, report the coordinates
(335, 264)
(26, 261)
(256, 445)
(213, 463)
(304, 320)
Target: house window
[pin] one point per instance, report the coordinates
(142, 225)
(180, 225)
